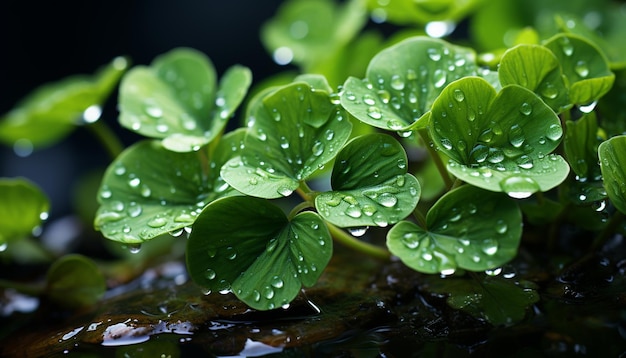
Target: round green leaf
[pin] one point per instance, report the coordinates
(53, 110)
(468, 228)
(176, 99)
(75, 281)
(536, 68)
(498, 141)
(613, 166)
(149, 191)
(292, 132)
(310, 31)
(585, 67)
(22, 207)
(246, 245)
(403, 81)
(408, 12)
(370, 184)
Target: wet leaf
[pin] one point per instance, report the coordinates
(310, 31)
(246, 245)
(403, 81)
(293, 132)
(498, 141)
(585, 67)
(52, 111)
(23, 205)
(75, 281)
(148, 190)
(177, 99)
(370, 184)
(467, 228)
(581, 145)
(405, 12)
(498, 300)
(537, 69)
(613, 166)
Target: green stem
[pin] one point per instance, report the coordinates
(107, 138)
(420, 218)
(437, 159)
(609, 229)
(356, 244)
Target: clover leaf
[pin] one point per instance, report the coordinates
(585, 66)
(499, 141)
(293, 131)
(535, 67)
(403, 81)
(177, 99)
(22, 208)
(613, 164)
(498, 300)
(248, 246)
(467, 228)
(148, 190)
(370, 184)
(52, 111)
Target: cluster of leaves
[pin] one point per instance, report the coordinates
(514, 134)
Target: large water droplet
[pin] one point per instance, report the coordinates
(554, 132)
(519, 187)
(354, 211)
(277, 282)
(374, 112)
(501, 227)
(526, 109)
(582, 69)
(410, 240)
(458, 94)
(549, 91)
(318, 148)
(566, 46)
(397, 82)
(387, 200)
(153, 110)
(525, 162)
(434, 54)
(439, 78)
(358, 231)
(516, 136)
(489, 246)
(157, 222)
(210, 274)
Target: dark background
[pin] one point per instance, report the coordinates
(43, 41)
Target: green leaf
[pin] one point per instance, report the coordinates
(292, 132)
(408, 12)
(538, 69)
(468, 228)
(613, 166)
(585, 67)
(22, 207)
(75, 281)
(52, 111)
(403, 81)
(498, 141)
(246, 245)
(498, 300)
(311, 31)
(177, 99)
(370, 184)
(581, 145)
(149, 190)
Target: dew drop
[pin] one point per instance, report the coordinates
(231, 254)
(501, 227)
(526, 109)
(489, 247)
(369, 100)
(434, 54)
(210, 274)
(153, 111)
(277, 282)
(358, 231)
(318, 148)
(374, 112)
(284, 191)
(284, 142)
(3, 247)
(134, 182)
(134, 248)
(554, 132)
(525, 162)
(410, 240)
(516, 136)
(162, 128)
(519, 187)
(445, 142)
(145, 191)
(387, 200)
(157, 222)
(549, 91)
(459, 96)
(566, 46)
(397, 83)
(256, 295)
(581, 69)
(354, 211)
(439, 78)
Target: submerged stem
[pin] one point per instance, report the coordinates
(356, 244)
